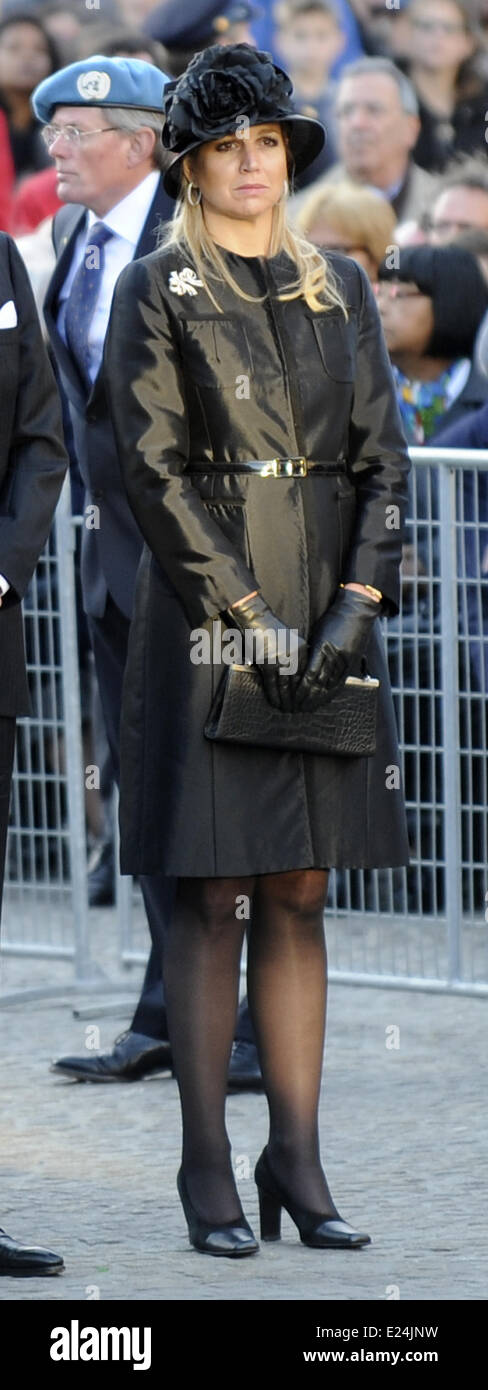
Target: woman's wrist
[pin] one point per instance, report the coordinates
(244, 600)
(367, 589)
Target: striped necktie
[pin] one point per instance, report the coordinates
(82, 300)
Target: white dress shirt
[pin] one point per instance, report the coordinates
(126, 220)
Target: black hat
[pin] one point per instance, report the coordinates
(452, 278)
(188, 25)
(219, 86)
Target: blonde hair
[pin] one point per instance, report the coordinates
(315, 279)
(363, 217)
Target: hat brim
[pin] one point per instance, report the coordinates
(307, 139)
(45, 111)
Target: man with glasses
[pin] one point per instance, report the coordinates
(462, 201)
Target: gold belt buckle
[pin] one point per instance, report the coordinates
(284, 468)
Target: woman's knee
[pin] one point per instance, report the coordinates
(218, 903)
(301, 893)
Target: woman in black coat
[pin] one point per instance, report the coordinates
(32, 467)
(235, 345)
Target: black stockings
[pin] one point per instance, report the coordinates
(287, 980)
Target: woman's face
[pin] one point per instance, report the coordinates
(437, 36)
(407, 316)
(241, 175)
(330, 238)
(24, 57)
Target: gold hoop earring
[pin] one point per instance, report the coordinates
(286, 190)
(193, 201)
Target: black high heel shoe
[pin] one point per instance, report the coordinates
(229, 1238)
(318, 1231)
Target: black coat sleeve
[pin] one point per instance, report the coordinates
(145, 389)
(37, 457)
(378, 460)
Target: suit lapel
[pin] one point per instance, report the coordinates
(69, 234)
(161, 210)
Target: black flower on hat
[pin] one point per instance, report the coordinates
(220, 85)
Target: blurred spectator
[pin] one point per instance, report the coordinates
(133, 13)
(7, 175)
(474, 239)
(83, 12)
(471, 432)
(265, 33)
(431, 305)
(412, 232)
(307, 40)
(377, 125)
(356, 221)
(37, 253)
(461, 201)
(382, 27)
(115, 42)
(33, 201)
(447, 63)
(65, 26)
(186, 29)
(27, 55)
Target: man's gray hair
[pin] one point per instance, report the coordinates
(463, 171)
(362, 67)
(129, 119)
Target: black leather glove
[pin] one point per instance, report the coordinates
(339, 637)
(275, 649)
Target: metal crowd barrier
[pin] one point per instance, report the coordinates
(45, 903)
(424, 927)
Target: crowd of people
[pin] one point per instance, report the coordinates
(399, 186)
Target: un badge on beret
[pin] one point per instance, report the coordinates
(94, 86)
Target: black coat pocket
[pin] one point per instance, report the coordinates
(216, 351)
(333, 341)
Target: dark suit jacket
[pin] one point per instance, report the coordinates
(473, 395)
(32, 465)
(110, 553)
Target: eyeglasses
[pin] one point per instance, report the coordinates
(348, 108)
(444, 26)
(446, 228)
(340, 246)
(71, 133)
(394, 290)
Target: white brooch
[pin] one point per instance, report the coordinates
(184, 281)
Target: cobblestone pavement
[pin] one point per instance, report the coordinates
(90, 1170)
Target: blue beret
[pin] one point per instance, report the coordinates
(99, 81)
(198, 21)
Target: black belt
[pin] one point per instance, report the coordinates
(273, 468)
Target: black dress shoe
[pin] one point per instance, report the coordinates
(321, 1232)
(132, 1057)
(233, 1238)
(27, 1259)
(101, 878)
(244, 1069)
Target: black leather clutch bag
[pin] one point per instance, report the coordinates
(344, 726)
